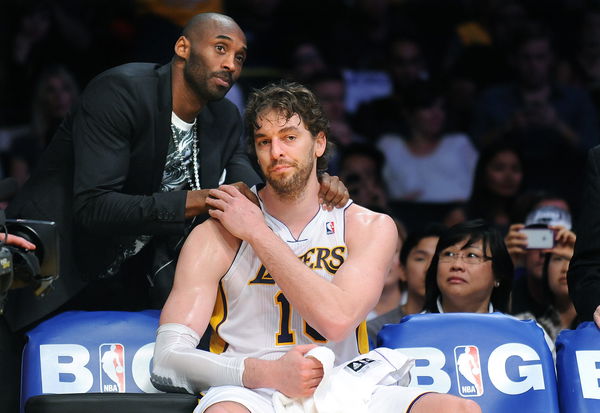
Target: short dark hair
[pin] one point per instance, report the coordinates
(413, 238)
(365, 150)
(289, 99)
(502, 266)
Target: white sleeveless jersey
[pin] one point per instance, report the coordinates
(252, 316)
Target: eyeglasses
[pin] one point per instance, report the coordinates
(470, 258)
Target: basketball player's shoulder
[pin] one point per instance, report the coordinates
(360, 219)
(211, 234)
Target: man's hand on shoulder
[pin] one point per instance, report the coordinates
(333, 192)
(244, 190)
(238, 214)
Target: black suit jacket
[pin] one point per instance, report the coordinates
(584, 270)
(99, 179)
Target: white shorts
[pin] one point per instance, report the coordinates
(393, 399)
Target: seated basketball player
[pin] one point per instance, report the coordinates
(275, 281)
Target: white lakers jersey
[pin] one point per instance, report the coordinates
(252, 316)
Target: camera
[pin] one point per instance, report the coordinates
(539, 238)
(23, 268)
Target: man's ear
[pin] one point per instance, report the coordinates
(320, 144)
(182, 47)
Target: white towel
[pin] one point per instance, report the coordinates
(349, 386)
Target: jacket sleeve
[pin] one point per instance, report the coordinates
(106, 123)
(584, 269)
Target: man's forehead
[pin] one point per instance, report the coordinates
(219, 29)
(279, 119)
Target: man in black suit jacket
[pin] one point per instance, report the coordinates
(584, 270)
(101, 177)
(128, 169)
(123, 172)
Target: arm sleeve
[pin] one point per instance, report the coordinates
(106, 123)
(178, 366)
(584, 269)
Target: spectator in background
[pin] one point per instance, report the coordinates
(405, 66)
(584, 69)
(551, 124)
(427, 165)
(393, 290)
(533, 104)
(47, 32)
(416, 253)
(306, 61)
(497, 181)
(360, 170)
(528, 293)
(471, 271)
(330, 89)
(560, 313)
(477, 51)
(55, 93)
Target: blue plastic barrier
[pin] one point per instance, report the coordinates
(83, 352)
(502, 363)
(578, 369)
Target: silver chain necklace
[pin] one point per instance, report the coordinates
(195, 183)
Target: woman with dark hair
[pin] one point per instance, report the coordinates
(416, 253)
(560, 313)
(428, 164)
(497, 182)
(471, 271)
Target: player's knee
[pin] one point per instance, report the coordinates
(460, 405)
(444, 403)
(469, 406)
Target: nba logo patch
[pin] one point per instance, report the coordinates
(112, 368)
(329, 227)
(468, 371)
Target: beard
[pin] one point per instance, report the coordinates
(291, 186)
(198, 78)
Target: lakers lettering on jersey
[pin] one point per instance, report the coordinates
(252, 317)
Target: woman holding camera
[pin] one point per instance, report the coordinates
(560, 312)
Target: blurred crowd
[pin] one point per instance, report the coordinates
(441, 111)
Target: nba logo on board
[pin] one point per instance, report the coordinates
(468, 371)
(112, 368)
(329, 227)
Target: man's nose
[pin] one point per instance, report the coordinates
(276, 149)
(228, 62)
